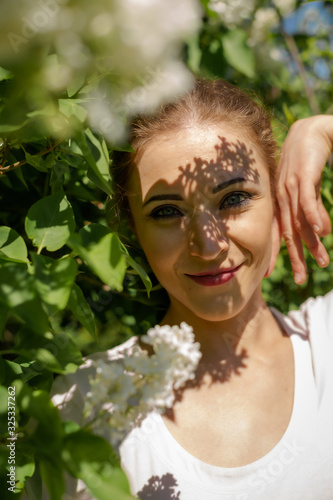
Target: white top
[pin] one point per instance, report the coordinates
(299, 467)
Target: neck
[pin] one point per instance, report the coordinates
(252, 331)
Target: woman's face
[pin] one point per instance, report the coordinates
(204, 216)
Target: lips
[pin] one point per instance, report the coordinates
(215, 277)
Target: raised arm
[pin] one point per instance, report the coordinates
(303, 217)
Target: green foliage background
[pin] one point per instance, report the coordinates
(68, 285)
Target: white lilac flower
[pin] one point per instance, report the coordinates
(279, 54)
(233, 12)
(107, 115)
(138, 43)
(161, 84)
(158, 86)
(125, 390)
(285, 6)
(264, 21)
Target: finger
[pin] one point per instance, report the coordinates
(293, 193)
(312, 241)
(307, 232)
(292, 238)
(325, 218)
(309, 205)
(296, 255)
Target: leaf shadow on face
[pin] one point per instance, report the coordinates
(161, 487)
(231, 160)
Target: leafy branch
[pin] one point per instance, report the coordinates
(18, 164)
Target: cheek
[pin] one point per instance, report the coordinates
(254, 233)
(162, 249)
(262, 241)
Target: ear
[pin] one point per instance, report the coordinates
(276, 243)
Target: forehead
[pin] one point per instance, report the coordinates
(197, 159)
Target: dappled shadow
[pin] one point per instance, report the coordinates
(221, 372)
(160, 488)
(218, 373)
(233, 158)
(232, 168)
(232, 163)
(230, 157)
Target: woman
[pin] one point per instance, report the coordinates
(200, 193)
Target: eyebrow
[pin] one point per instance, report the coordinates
(159, 197)
(225, 184)
(178, 197)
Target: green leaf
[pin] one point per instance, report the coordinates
(9, 371)
(326, 192)
(3, 400)
(18, 293)
(91, 458)
(46, 435)
(238, 53)
(54, 280)
(24, 468)
(36, 161)
(102, 251)
(141, 272)
(77, 190)
(27, 371)
(50, 222)
(194, 53)
(15, 283)
(77, 83)
(69, 426)
(81, 309)
(33, 485)
(12, 245)
(48, 110)
(96, 155)
(9, 128)
(123, 147)
(46, 360)
(58, 176)
(71, 107)
(52, 474)
(210, 13)
(288, 114)
(4, 309)
(57, 353)
(5, 74)
(37, 404)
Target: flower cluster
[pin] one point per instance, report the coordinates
(264, 21)
(132, 46)
(125, 390)
(233, 12)
(259, 20)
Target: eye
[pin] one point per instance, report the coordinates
(235, 200)
(165, 212)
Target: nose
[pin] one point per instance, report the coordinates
(206, 237)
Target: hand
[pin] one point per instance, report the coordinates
(303, 217)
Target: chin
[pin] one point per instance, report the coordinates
(216, 316)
